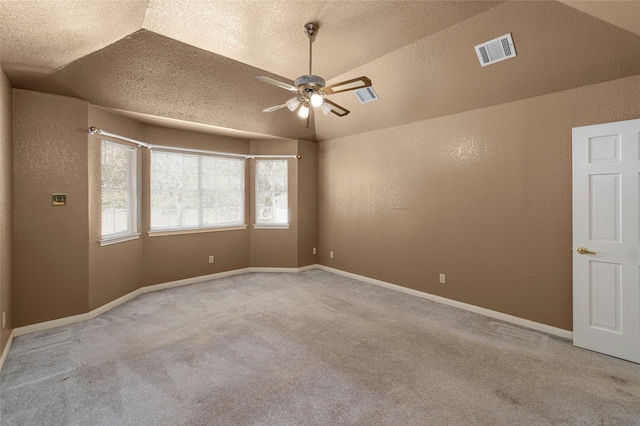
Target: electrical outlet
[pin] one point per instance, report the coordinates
(442, 279)
(211, 259)
(331, 255)
(4, 319)
(314, 250)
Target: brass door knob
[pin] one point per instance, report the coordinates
(583, 250)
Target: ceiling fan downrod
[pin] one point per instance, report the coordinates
(310, 29)
(309, 86)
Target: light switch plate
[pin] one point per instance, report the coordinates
(58, 199)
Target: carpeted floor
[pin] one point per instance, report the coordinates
(306, 349)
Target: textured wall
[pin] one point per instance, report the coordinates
(50, 244)
(114, 270)
(307, 203)
(175, 257)
(482, 196)
(275, 247)
(5, 207)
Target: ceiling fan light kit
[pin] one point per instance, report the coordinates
(311, 89)
(316, 100)
(293, 104)
(303, 112)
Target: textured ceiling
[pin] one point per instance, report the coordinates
(191, 64)
(39, 36)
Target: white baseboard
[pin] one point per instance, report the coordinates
(268, 269)
(19, 331)
(5, 352)
(308, 267)
(471, 308)
(41, 326)
(194, 280)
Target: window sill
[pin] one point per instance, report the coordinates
(274, 226)
(164, 233)
(115, 240)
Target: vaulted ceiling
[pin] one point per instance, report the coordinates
(191, 64)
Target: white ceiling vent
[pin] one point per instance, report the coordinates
(366, 94)
(496, 50)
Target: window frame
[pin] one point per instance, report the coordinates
(133, 194)
(270, 225)
(201, 192)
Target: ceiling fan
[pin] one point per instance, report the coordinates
(311, 90)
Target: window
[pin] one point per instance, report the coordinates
(119, 198)
(190, 191)
(272, 204)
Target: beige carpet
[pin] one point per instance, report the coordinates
(312, 348)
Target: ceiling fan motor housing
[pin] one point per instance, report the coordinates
(310, 83)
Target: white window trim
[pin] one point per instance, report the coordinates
(268, 226)
(278, 225)
(135, 194)
(182, 231)
(158, 232)
(123, 238)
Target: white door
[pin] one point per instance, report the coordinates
(606, 238)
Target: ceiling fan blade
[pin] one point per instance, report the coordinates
(278, 83)
(337, 109)
(345, 86)
(274, 108)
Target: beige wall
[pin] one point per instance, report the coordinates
(275, 247)
(114, 270)
(60, 269)
(293, 247)
(121, 268)
(6, 108)
(50, 244)
(175, 257)
(482, 196)
(307, 202)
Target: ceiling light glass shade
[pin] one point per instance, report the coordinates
(303, 112)
(293, 103)
(316, 100)
(326, 108)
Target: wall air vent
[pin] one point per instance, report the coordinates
(366, 94)
(496, 50)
